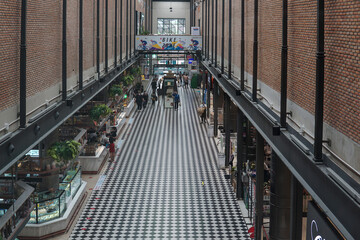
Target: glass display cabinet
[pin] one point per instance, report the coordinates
(48, 206)
(71, 183)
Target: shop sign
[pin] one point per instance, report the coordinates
(33, 153)
(318, 226)
(168, 43)
(191, 60)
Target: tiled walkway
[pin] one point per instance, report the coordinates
(164, 183)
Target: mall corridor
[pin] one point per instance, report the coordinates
(164, 182)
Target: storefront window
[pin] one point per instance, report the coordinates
(171, 25)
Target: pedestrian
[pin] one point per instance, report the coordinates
(139, 101)
(154, 85)
(186, 80)
(145, 99)
(153, 98)
(176, 100)
(112, 149)
(202, 112)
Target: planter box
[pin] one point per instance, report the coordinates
(93, 164)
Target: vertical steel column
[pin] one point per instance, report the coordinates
(191, 13)
(127, 30)
(319, 104)
(208, 84)
(115, 35)
(215, 105)
(279, 199)
(151, 17)
(208, 30)
(259, 195)
(131, 12)
(296, 209)
(23, 65)
(239, 153)
(242, 62)
(222, 37)
(135, 25)
(98, 38)
(212, 31)
(255, 52)
(206, 23)
(216, 32)
(230, 41)
(202, 28)
(121, 31)
(64, 57)
(81, 74)
(227, 128)
(106, 35)
(284, 53)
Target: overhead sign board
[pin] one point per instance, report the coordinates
(168, 43)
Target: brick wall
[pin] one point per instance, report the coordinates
(342, 49)
(9, 52)
(44, 44)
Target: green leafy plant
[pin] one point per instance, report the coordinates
(136, 71)
(63, 152)
(99, 111)
(128, 80)
(116, 89)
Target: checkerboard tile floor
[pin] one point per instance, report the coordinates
(164, 183)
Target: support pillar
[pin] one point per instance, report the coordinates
(98, 38)
(208, 84)
(127, 30)
(259, 185)
(23, 65)
(279, 200)
(212, 31)
(106, 36)
(255, 53)
(227, 128)
(215, 105)
(242, 61)
(223, 37)
(296, 209)
(121, 31)
(64, 52)
(81, 74)
(284, 53)
(216, 30)
(239, 154)
(115, 35)
(230, 40)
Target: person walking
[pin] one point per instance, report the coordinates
(154, 85)
(186, 81)
(202, 113)
(145, 99)
(139, 101)
(112, 149)
(176, 100)
(153, 98)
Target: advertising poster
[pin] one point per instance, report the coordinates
(166, 43)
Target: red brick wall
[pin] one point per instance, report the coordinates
(44, 43)
(9, 53)
(342, 51)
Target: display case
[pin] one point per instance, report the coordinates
(71, 183)
(48, 206)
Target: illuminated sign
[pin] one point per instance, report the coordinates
(168, 43)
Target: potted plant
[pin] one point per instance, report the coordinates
(128, 79)
(116, 89)
(99, 111)
(64, 152)
(136, 72)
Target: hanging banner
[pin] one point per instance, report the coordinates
(168, 43)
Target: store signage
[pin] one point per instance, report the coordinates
(318, 226)
(195, 31)
(33, 153)
(168, 43)
(171, 65)
(191, 60)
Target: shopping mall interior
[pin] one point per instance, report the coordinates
(182, 119)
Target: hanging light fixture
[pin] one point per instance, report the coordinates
(171, 9)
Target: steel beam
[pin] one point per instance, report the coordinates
(255, 52)
(227, 128)
(23, 65)
(121, 32)
(242, 61)
(106, 36)
(81, 74)
(127, 29)
(320, 65)
(223, 37)
(315, 178)
(215, 105)
(216, 30)
(131, 11)
(115, 35)
(230, 40)
(284, 54)
(212, 31)
(98, 38)
(202, 26)
(64, 57)
(23, 140)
